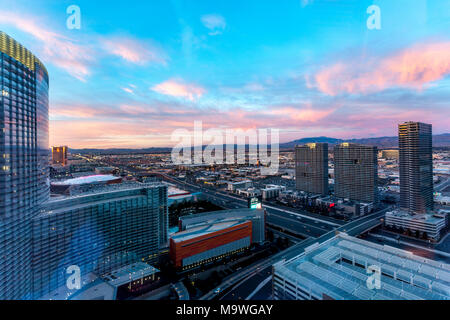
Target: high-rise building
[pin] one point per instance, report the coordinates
(356, 172)
(311, 168)
(416, 167)
(98, 231)
(59, 155)
(24, 161)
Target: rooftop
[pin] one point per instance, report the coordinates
(426, 217)
(119, 192)
(337, 268)
(129, 273)
(214, 217)
(204, 230)
(97, 178)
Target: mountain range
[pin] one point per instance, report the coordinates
(440, 140)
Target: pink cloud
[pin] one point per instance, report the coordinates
(134, 51)
(414, 68)
(308, 114)
(104, 134)
(57, 49)
(134, 125)
(178, 88)
(128, 90)
(73, 111)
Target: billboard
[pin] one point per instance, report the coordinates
(255, 202)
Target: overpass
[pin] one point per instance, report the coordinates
(354, 228)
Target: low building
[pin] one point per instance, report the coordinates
(348, 268)
(272, 191)
(250, 192)
(427, 224)
(292, 197)
(256, 216)
(244, 184)
(176, 195)
(345, 206)
(81, 184)
(206, 243)
(442, 200)
(105, 170)
(122, 283)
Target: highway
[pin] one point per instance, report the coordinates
(304, 224)
(242, 283)
(442, 185)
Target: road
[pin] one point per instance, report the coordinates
(318, 230)
(442, 185)
(302, 223)
(251, 288)
(244, 282)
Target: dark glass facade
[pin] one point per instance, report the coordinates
(23, 162)
(416, 167)
(356, 172)
(97, 232)
(311, 168)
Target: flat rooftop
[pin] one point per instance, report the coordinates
(105, 188)
(204, 230)
(173, 191)
(129, 273)
(424, 218)
(63, 203)
(214, 217)
(328, 269)
(97, 178)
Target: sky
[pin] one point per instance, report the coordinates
(137, 70)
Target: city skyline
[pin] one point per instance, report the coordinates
(363, 216)
(315, 70)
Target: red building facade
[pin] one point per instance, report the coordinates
(181, 249)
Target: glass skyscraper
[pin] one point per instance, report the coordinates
(23, 161)
(416, 167)
(98, 231)
(311, 168)
(356, 172)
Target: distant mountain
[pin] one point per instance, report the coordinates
(310, 140)
(440, 140)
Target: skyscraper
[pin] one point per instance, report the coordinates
(23, 161)
(356, 172)
(311, 168)
(416, 167)
(59, 155)
(98, 231)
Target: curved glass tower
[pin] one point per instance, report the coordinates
(23, 162)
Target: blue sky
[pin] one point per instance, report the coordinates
(137, 70)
